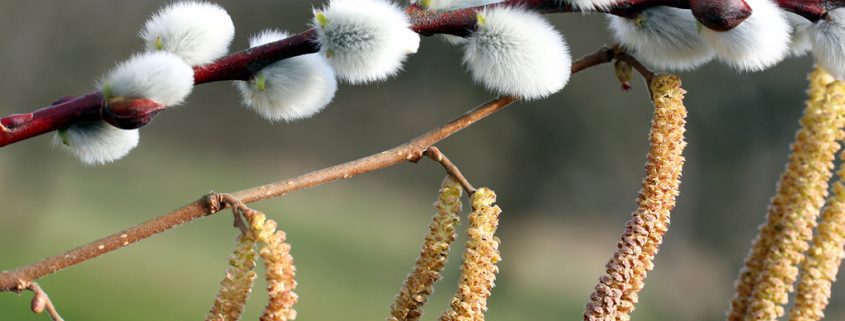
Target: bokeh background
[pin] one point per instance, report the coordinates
(567, 170)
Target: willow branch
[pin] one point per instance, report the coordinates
(242, 65)
(22, 277)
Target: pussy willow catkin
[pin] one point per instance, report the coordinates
(441, 233)
(771, 266)
(818, 272)
(236, 286)
(616, 293)
(279, 267)
(478, 271)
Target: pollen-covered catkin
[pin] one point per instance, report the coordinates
(441, 233)
(616, 293)
(478, 271)
(818, 272)
(808, 175)
(279, 267)
(237, 285)
(771, 265)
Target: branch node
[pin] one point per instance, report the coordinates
(41, 302)
(436, 155)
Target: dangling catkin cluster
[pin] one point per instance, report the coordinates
(818, 272)
(236, 286)
(420, 283)
(771, 266)
(616, 294)
(479, 269)
(279, 268)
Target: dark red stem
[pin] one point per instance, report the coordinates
(245, 63)
(22, 126)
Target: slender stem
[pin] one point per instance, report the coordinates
(41, 301)
(436, 155)
(22, 277)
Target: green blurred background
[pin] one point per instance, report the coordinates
(566, 169)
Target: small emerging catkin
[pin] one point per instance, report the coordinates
(818, 272)
(616, 293)
(279, 267)
(435, 251)
(236, 286)
(479, 269)
(771, 266)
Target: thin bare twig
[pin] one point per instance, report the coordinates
(20, 278)
(436, 155)
(41, 301)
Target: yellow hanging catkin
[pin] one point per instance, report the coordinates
(280, 270)
(772, 265)
(810, 157)
(237, 284)
(478, 271)
(616, 293)
(441, 233)
(818, 272)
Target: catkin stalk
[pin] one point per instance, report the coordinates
(478, 271)
(771, 267)
(616, 293)
(237, 284)
(419, 284)
(818, 272)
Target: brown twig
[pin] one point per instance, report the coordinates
(41, 301)
(436, 155)
(20, 278)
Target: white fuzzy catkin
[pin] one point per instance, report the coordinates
(364, 40)
(517, 52)
(447, 5)
(198, 31)
(759, 42)
(590, 5)
(828, 38)
(96, 143)
(288, 89)
(800, 42)
(159, 76)
(663, 37)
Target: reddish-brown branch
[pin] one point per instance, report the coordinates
(22, 277)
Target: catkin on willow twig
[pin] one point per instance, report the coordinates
(478, 271)
(772, 265)
(441, 233)
(237, 284)
(279, 267)
(818, 272)
(616, 293)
